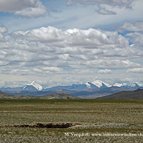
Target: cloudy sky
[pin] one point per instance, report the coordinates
(70, 41)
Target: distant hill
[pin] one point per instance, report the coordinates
(58, 96)
(125, 95)
(50, 96)
(3, 95)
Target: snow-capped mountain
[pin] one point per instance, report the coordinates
(99, 83)
(88, 85)
(34, 86)
(95, 88)
(118, 84)
(129, 85)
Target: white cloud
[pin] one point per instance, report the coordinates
(28, 8)
(134, 33)
(2, 31)
(112, 63)
(74, 53)
(133, 27)
(105, 6)
(91, 38)
(136, 38)
(105, 71)
(136, 70)
(48, 34)
(122, 3)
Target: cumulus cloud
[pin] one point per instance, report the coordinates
(105, 6)
(91, 38)
(136, 38)
(136, 70)
(104, 71)
(2, 31)
(132, 27)
(28, 8)
(115, 64)
(134, 33)
(122, 3)
(56, 52)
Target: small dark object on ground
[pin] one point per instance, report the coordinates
(44, 125)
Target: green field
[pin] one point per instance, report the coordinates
(97, 121)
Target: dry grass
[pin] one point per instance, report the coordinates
(94, 117)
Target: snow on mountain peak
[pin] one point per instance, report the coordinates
(36, 85)
(126, 84)
(88, 85)
(118, 84)
(100, 83)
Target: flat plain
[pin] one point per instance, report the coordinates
(93, 121)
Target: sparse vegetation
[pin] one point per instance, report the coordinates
(87, 116)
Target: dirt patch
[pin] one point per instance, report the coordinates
(44, 125)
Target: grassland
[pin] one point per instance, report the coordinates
(91, 116)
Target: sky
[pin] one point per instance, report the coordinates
(60, 42)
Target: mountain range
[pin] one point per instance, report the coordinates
(93, 89)
(124, 95)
